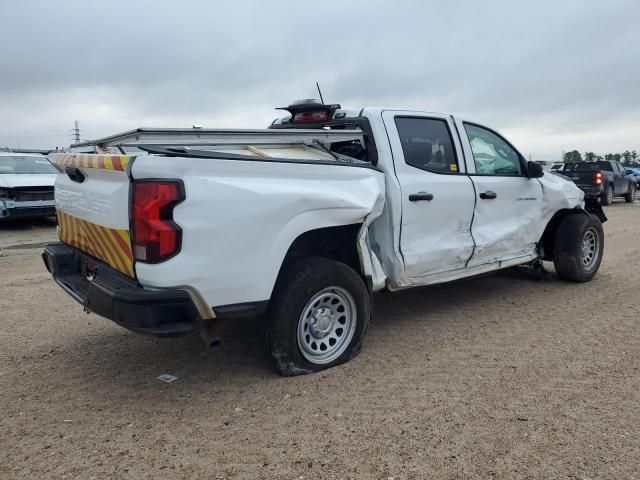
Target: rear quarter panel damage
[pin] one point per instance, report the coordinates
(240, 218)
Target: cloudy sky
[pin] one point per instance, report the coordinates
(551, 75)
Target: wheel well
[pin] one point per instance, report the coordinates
(548, 239)
(337, 243)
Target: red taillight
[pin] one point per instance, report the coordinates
(308, 117)
(598, 178)
(155, 236)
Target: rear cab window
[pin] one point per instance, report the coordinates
(593, 166)
(427, 144)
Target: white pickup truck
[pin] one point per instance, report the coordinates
(167, 231)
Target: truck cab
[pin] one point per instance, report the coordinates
(460, 198)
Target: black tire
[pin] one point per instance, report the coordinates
(607, 195)
(297, 284)
(570, 261)
(631, 195)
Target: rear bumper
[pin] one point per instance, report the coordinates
(117, 297)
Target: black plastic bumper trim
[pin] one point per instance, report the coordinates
(241, 310)
(117, 297)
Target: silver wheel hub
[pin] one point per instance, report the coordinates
(326, 325)
(590, 247)
(321, 322)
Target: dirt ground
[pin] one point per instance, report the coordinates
(21, 233)
(497, 377)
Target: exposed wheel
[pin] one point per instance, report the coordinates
(607, 196)
(317, 318)
(631, 196)
(579, 247)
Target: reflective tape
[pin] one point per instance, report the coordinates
(91, 160)
(110, 245)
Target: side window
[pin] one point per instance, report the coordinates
(491, 154)
(426, 144)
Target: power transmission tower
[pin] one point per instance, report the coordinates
(76, 131)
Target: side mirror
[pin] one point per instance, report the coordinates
(534, 170)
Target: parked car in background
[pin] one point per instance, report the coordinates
(604, 179)
(556, 167)
(26, 185)
(636, 174)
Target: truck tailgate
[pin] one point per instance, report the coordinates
(92, 204)
(583, 178)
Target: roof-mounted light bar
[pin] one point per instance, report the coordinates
(310, 110)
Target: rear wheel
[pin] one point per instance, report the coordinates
(631, 195)
(607, 195)
(317, 318)
(579, 247)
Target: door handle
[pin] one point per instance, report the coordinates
(488, 195)
(416, 197)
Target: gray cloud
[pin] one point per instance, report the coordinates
(551, 75)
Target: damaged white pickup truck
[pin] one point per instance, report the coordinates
(167, 231)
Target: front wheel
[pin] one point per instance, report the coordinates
(317, 318)
(579, 246)
(631, 195)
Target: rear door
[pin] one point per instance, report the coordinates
(508, 211)
(92, 205)
(437, 195)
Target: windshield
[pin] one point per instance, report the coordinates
(19, 164)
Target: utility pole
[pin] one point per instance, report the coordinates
(76, 131)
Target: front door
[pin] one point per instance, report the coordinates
(437, 195)
(620, 176)
(506, 224)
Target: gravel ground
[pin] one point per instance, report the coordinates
(32, 233)
(502, 376)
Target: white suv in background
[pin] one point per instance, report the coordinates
(26, 185)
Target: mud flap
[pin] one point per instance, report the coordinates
(593, 206)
